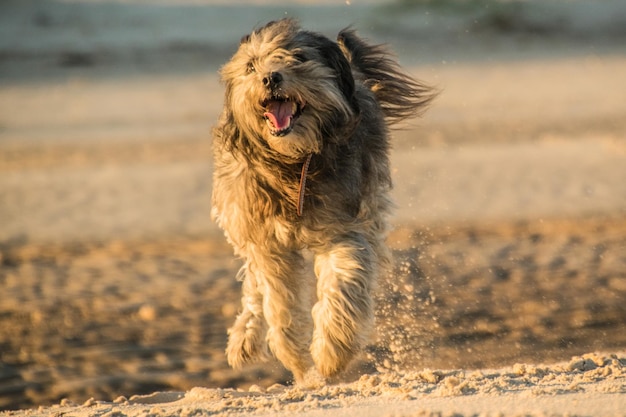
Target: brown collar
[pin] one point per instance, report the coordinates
(301, 188)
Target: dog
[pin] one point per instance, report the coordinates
(301, 155)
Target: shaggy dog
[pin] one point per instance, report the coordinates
(301, 162)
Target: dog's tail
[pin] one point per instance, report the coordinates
(399, 95)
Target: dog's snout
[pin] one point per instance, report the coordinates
(272, 79)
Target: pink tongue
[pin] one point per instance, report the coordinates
(279, 113)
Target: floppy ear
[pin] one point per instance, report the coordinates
(227, 134)
(336, 60)
(351, 45)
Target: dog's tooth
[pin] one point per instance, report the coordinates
(294, 107)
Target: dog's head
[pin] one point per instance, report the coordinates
(289, 90)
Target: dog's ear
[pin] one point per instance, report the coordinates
(226, 134)
(336, 60)
(399, 95)
(350, 44)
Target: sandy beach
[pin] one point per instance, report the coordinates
(508, 291)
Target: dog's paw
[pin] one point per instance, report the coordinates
(334, 341)
(246, 344)
(330, 357)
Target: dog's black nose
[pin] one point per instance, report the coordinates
(273, 79)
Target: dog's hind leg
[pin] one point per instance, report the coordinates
(286, 308)
(246, 339)
(343, 315)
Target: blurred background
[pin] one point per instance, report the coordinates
(509, 237)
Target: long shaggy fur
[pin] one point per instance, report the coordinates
(294, 96)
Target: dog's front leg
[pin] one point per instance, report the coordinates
(343, 315)
(246, 339)
(286, 308)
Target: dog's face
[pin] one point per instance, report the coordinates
(289, 90)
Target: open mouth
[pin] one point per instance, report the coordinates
(281, 114)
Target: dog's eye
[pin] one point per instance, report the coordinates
(250, 69)
(300, 58)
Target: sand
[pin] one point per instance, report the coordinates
(587, 385)
(508, 292)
